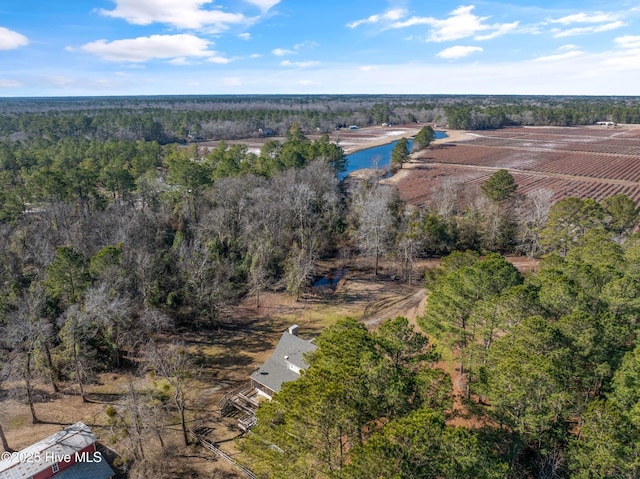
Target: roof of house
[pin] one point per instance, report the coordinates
(87, 470)
(275, 371)
(68, 441)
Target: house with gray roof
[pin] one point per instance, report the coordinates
(285, 364)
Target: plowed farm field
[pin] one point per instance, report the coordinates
(586, 162)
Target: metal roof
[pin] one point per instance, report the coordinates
(87, 470)
(38, 457)
(275, 371)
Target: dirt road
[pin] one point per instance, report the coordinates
(410, 307)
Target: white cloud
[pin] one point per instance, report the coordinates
(624, 63)
(305, 44)
(244, 36)
(4, 83)
(413, 21)
(597, 17)
(181, 61)
(287, 63)
(281, 52)
(595, 22)
(389, 16)
(177, 13)
(264, 5)
(459, 51)
(176, 47)
(587, 30)
(255, 55)
(220, 60)
(10, 40)
(568, 47)
(502, 29)
(628, 41)
(461, 23)
(559, 56)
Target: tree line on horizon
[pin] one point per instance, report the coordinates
(185, 119)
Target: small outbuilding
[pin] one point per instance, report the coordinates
(67, 454)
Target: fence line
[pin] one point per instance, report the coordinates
(221, 454)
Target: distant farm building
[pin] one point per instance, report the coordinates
(266, 132)
(67, 454)
(284, 365)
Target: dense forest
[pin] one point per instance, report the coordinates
(116, 233)
(180, 119)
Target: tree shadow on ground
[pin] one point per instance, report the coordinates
(19, 393)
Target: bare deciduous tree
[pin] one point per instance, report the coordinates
(112, 313)
(375, 222)
(259, 268)
(75, 331)
(173, 363)
(409, 245)
(445, 196)
(298, 270)
(533, 214)
(24, 334)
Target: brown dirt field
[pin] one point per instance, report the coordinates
(586, 162)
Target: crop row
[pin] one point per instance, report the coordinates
(422, 185)
(567, 161)
(595, 166)
(467, 154)
(563, 188)
(635, 133)
(619, 146)
(561, 132)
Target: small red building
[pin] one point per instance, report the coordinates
(68, 454)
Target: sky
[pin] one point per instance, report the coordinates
(182, 47)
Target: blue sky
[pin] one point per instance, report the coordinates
(154, 47)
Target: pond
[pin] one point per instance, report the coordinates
(376, 157)
(331, 280)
